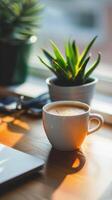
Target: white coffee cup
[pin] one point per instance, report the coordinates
(68, 131)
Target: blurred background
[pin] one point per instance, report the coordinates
(79, 20)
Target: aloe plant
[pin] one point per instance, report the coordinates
(19, 19)
(71, 69)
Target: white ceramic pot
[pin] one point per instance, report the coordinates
(83, 93)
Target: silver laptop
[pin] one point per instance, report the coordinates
(14, 163)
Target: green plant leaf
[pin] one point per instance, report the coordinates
(61, 69)
(49, 67)
(92, 67)
(80, 75)
(85, 52)
(48, 56)
(33, 10)
(58, 55)
(72, 54)
(69, 56)
(70, 66)
(76, 52)
(26, 19)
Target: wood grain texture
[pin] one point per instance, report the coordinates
(66, 175)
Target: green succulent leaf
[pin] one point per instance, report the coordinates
(85, 52)
(76, 52)
(70, 66)
(58, 55)
(48, 56)
(49, 67)
(92, 68)
(33, 10)
(63, 71)
(80, 74)
(69, 56)
(72, 55)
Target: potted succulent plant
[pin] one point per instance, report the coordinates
(71, 81)
(19, 20)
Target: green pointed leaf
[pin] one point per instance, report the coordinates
(88, 73)
(85, 52)
(34, 10)
(48, 56)
(80, 75)
(70, 67)
(23, 31)
(61, 69)
(49, 67)
(72, 54)
(69, 57)
(58, 55)
(26, 19)
(76, 52)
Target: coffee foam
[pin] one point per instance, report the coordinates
(66, 110)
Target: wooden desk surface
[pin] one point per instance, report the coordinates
(66, 175)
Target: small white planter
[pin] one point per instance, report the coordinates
(83, 93)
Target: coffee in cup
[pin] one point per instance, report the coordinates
(66, 110)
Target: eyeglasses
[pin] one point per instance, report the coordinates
(19, 105)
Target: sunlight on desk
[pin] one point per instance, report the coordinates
(94, 176)
(12, 130)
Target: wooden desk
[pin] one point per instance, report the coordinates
(66, 175)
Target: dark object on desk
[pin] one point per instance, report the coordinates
(13, 62)
(16, 164)
(15, 105)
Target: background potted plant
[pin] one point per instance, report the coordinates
(72, 81)
(19, 20)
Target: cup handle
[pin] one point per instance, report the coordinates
(99, 119)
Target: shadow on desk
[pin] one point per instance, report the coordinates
(60, 164)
